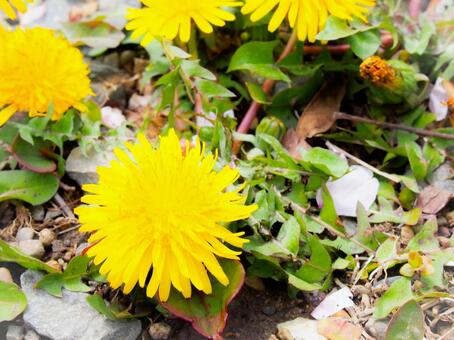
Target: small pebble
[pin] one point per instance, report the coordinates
(13, 244)
(31, 335)
(46, 236)
(54, 264)
(14, 333)
(5, 275)
(269, 310)
(68, 256)
(444, 231)
(160, 331)
(32, 248)
(25, 234)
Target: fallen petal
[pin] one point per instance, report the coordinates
(333, 303)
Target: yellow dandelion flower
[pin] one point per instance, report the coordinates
(379, 72)
(308, 17)
(8, 6)
(169, 18)
(162, 209)
(39, 68)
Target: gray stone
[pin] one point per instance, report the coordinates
(24, 234)
(38, 213)
(70, 317)
(5, 275)
(14, 333)
(31, 335)
(82, 169)
(32, 248)
(377, 328)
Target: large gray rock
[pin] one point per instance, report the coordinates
(82, 168)
(70, 317)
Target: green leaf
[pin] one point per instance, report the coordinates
(192, 68)
(257, 57)
(337, 28)
(328, 213)
(326, 161)
(69, 279)
(27, 186)
(211, 89)
(208, 313)
(398, 293)
(289, 235)
(30, 157)
(257, 93)
(364, 44)
(111, 311)
(387, 250)
(407, 323)
(11, 254)
(425, 239)
(301, 284)
(418, 164)
(12, 301)
(365, 234)
(98, 304)
(319, 265)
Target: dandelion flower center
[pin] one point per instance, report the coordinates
(169, 18)
(161, 211)
(308, 17)
(378, 72)
(39, 69)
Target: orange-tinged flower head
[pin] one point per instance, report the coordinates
(172, 18)
(38, 69)
(162, 209)
(308, 17)
(7, 6)
(379, 72)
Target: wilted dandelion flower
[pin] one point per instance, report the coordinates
(308, 17)
(378, 71)
(8, 6)
(39, 68)
(157, 208)
(169, 18)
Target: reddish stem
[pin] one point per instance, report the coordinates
(414, 8)
(386, 41)
(266, 87)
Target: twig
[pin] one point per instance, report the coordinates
(63, 206)
(266, 87)
(392, 126)
(67, 187)
(393, 178)
(77, 226)
(323, 223)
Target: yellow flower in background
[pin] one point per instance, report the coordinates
(169, 18)
(379, 72)
(8, 6)
(39, 68)
(308, 17)
(157, 208)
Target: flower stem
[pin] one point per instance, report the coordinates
(266, 87)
